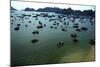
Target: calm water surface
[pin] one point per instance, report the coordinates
(45, 51)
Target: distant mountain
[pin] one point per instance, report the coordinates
(29, 9)
(67, 11)
(12, 8)
(50, 9)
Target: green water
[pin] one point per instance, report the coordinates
(45, 51)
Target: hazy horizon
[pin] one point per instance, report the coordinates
(19, 5)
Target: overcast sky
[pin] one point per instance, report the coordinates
(19, 5)
(86, 2)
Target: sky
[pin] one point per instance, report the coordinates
(86, 2)
(19, 5)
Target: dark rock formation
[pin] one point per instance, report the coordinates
(75, 40)
(78, 30)
(26, 25)
(84, 28)
(39, 27)
(16, 28)
(35, 32)
(63, 29)
(92, 42)
(60, 44)
(75, 26)
(34, 40)
(18, 24)
(51, 27)
(40, 22)
(29, 9)
(73, 35)
(29, 21)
